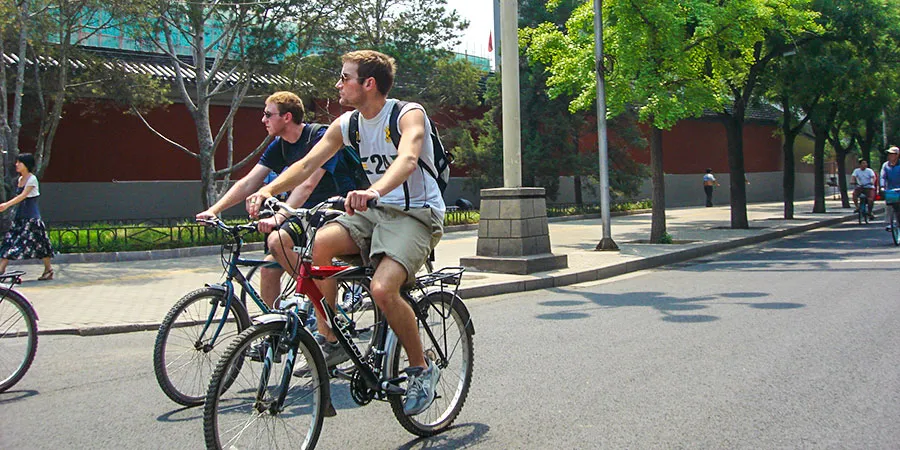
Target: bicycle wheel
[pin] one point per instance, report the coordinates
(448, 320)
(253, 278)
(184, 356)
(241, 403)
(895, 227)
(861, 214)
(18, 337)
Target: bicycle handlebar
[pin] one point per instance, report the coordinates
(233, 229)
(333, 203)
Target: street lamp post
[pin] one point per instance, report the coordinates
(606, 243)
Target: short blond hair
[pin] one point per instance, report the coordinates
(373, 64)
(288, 102)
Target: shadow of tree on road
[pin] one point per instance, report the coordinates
(672, 309)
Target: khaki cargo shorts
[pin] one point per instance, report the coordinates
(406, 236)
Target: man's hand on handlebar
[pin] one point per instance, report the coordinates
(359, 200)
(255, 202)
(205, 215)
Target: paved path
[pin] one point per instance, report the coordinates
(108, 297)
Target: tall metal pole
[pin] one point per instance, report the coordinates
(509, 71)
(606, 243)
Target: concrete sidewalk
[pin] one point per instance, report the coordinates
(112, 297)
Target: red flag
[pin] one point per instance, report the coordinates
(490, 41)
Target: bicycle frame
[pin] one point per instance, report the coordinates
(231, 274)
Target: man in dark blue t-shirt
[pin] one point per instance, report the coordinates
(283, 117)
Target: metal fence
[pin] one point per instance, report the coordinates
(135, 235)
(177, 232)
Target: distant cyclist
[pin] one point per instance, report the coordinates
(890, 179)
(864, 179)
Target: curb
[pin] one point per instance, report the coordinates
(540, 283)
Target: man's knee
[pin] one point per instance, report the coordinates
(279, 241)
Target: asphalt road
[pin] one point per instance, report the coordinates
(792, 344)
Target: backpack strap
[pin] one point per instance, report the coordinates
(353, 130)
(395, 133)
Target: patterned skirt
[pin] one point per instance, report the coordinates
(27, 239)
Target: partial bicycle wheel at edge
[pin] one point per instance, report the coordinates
(895, 228)
(449, 321)
(18, 337)
(183, 356)
(240, 414)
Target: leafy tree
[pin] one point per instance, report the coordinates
(761, 32)
(229, 46)
(416, 33)
(657, 50)
(48, 33)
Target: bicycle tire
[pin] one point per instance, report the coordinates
(861, 214)
(895, 228)
(178, 341)
(287, 285)
(18, 337)
(234, 418)
(449, 322)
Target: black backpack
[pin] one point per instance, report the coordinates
(442, 157)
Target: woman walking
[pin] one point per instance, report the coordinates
(27, 239)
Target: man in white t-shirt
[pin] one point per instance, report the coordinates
(864, 179)
(397, 235)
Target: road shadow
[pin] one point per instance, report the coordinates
(458, 436)
(672, 309)
(183, 414)
(16, 395)
(668, 306)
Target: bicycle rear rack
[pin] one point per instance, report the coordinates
(447, 279)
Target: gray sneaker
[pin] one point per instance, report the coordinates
(302, 369)
(334, 354)
(420, 386)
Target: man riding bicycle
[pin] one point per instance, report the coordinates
(890, 179)
(396, 236)
(283, 118)
(864, 179)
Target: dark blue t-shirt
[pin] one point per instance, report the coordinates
(280, 154)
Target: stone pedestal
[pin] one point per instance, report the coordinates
(513, 236)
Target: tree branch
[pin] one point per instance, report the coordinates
(175, 144)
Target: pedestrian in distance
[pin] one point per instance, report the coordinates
(708, 181)
(283, 119)
(27, 239)
(398, 234)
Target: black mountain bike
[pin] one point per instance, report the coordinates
(282, 399)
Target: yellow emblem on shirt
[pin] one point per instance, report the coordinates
(387, 134)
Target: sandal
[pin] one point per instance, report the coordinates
(48, 275)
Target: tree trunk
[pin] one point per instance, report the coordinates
(819, 168)
(734, 129)
(579, 198)
(841, 156)
(658, 218)
(788, 181)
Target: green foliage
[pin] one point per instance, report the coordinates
(418, 34)
(666, 238)
(550, 131)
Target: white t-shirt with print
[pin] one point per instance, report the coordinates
(377, 152)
